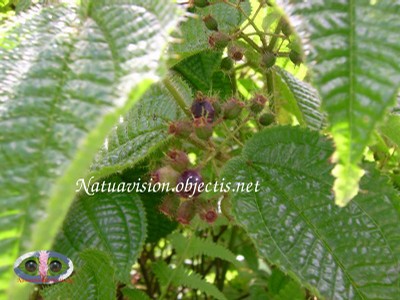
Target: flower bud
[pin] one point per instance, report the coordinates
(219, 40)
(286, 28)
(169, 205)
(178, 160)
(258, 103)
(232, 108)
(207, 212)
(202, 128)
(210, 23)
(186, 212)
(235, 52)
(268, 59)
(180, 129)
(266, 119)
(165, 175)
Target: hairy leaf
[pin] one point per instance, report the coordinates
(93, 279)
(390, 129)
(112, 222)
(300, 99)
(181, 277)
(197, 246)
(67, 78)
(355, 56)
(339, 253)
(134, 294)
(143, 129)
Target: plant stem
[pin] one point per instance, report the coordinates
(177, 96)
(274, 38)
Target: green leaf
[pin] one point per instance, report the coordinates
(355, 58)
(112, 222)
(194, 34)
(93, 279)
(63, 87)
(300, 99)
(134, 294)
(182, 277)
(390, 129)
(338, 253)
(197, 246)
(144, 129)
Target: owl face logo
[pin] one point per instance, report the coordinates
(43, 267)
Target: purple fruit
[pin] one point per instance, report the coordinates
(188, 184)
(202, 107)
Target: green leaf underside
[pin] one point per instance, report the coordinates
(143, 129)
(194, 34)
(93, 279)
(64, 83)
(339, 253)
(357, 71)
(181, 277)
(303, 96)
(198, 247)
(111, 222)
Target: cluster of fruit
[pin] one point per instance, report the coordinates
(218, 40)
(207, 112)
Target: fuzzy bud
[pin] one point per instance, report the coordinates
(202, 128)
(219, 40)
(186, 212)
(169, 205)
(201, 3)
(232, 108)
(207, 212)
(258, 103)
(295, 57)
(226, 64)
(286, 28)
(180, 129)
(178, 160)
(165, 175)
(210, 23)
(235, 52)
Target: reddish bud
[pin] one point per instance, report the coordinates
(219, 40)
(235, 52)
(169, 205)
(258, 103)
(177, 159)
(207, 212)
(165, 175)
(186, 212)
(180, 129)
(202, 128)
(232, 108)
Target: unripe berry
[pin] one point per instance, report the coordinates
(202, 107)
(266, 119)
(219, 40)
(202, 128)
(188, 184)
(186, 212)
(268, 59)
(226, 64)
(232, 108)
(180, 129)
(201, 3)
(165, 175)
(178, 160)
(295, 57)
(169, 205)
(258, 103)
(286, 28)
(235, 52)
(210, 23)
